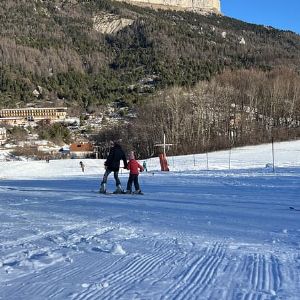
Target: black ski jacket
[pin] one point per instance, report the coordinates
(116, 154)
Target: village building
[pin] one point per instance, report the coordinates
(82, 150)
(28, 116)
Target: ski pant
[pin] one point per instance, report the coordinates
(116, 176)
(135, 179)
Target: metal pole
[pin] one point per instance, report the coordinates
(273, 155)
(206, 160)
(229, 158)
(164, 145)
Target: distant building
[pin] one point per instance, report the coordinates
(82, 150)
(64, 152)
(26, 116)
(3, 136)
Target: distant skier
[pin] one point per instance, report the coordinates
(112, 164)
(133, 166)
(145, 166)
(82, 166)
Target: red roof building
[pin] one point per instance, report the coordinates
(81, 150)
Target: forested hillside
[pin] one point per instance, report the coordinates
(54, 45)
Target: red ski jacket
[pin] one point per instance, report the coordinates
(133, 166)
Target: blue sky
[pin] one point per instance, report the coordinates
(265, 12)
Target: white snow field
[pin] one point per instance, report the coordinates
(197, 233)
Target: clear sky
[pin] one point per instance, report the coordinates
(276, 13)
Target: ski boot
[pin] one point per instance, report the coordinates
(128, 192)
(102, 188)
(138, 192)
(119, 190)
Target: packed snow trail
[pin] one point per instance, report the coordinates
(193, 235)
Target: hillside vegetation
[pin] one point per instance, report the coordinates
(54, 45)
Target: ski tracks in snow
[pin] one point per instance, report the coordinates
(184, 267)
(182, 271)
(87, 248)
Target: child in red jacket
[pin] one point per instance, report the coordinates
(133, 166)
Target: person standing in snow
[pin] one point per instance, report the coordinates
(133, 166)
(112, 164)
(145, 166)
(82, 166)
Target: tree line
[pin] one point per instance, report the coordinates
(236, 108)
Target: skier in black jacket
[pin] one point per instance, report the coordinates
(112, 164)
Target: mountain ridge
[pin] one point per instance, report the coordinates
(55, 46)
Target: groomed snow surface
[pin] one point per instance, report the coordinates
(208, 229)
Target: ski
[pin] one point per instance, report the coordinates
(110, 193)
(293, 208)
(134, 193)
(99, 193)
(137, 194)
(113, 193)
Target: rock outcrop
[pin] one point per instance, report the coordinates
(200, 6)
(110, 23)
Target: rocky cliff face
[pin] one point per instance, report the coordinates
(110, 23)
(199, 6)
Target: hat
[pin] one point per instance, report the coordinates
(131, 155)
(117, 142)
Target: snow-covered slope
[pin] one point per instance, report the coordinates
(197, 233)
(285, 154)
